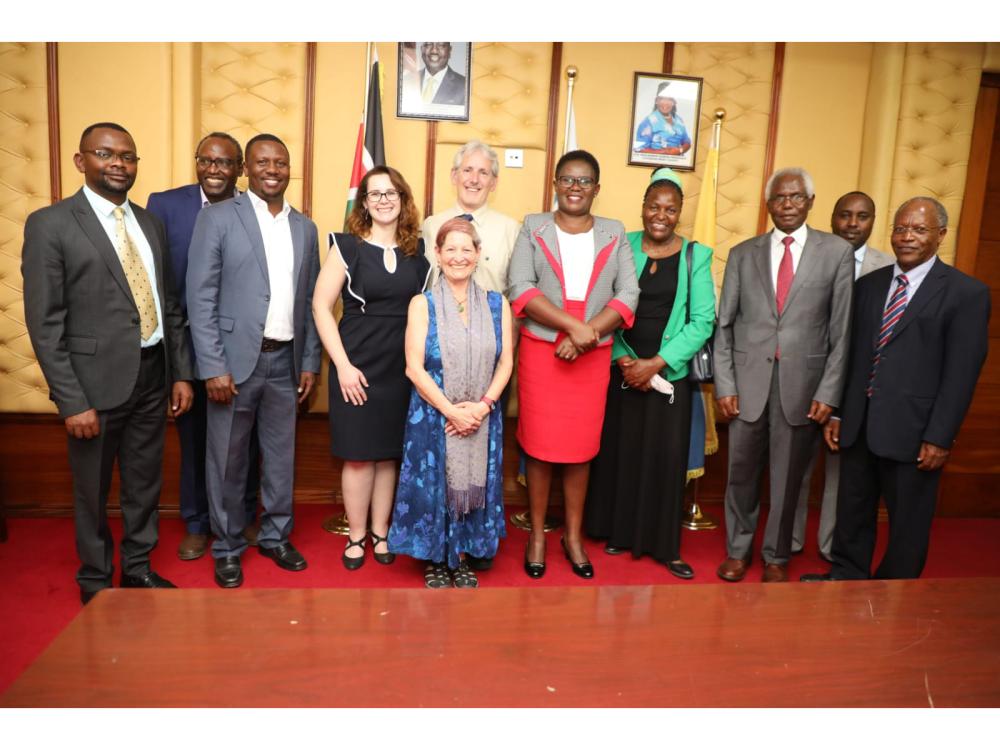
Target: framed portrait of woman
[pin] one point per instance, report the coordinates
(434, 80)
(664, 124)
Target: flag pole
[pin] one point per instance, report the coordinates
(571, 73)
(368, 81)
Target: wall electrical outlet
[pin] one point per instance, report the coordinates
(513, 157)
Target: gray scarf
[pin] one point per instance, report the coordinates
(468, 357)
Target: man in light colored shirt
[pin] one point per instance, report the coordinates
(218, 164)
(439, 83)
(780, 356)
(474, 174)
(104, 320)
(852, 219)
(251, 272)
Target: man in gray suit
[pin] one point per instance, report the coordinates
(251, 272)
(780, 354)
(108, 331)
(853, 219)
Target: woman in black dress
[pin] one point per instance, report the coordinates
(636, 495)
(376, 268)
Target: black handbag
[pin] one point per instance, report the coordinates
(701, 368)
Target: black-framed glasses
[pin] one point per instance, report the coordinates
(797, 199)
(584, 182)
(375, 196)
(204, 162)
(127, 157)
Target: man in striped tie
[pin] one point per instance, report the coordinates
(918, 344)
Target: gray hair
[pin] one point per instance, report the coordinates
(790, 172)
(477, 145)
(942, 213)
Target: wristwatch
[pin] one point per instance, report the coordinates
(489, 402)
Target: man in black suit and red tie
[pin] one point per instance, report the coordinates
(918, 344)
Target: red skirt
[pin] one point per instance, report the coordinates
(561, 404)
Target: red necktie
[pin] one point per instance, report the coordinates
(786, 273)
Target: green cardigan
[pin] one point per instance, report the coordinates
(680, 341)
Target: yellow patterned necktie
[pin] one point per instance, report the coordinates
(135, 272)
(427, 94)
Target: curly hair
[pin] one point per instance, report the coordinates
(359, 221)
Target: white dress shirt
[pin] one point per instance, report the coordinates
(914, 277)
(778, 250)
(277, 234)
(577, 254)
(859, 259)
(435, 83)
(105, 214)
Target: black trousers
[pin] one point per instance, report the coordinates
(132, 434)
(910, 497)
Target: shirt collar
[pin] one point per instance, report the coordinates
(477, 216)
(259, 204)
(204, 198)
(102, 205)
(859, 254)
(439, 76)
(799, 235)
(915, 275)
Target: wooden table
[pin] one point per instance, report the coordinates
(875, 643)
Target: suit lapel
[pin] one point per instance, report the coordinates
(932, 285)
(807, 265)
(298, 245)
(244, 209)
(762, 260)
(92, 228)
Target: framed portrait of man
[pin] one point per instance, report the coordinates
(434, 80)
(664, 124)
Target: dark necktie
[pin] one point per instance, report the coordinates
(467, 217)
(893, 312)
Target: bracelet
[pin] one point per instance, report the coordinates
(489, 402)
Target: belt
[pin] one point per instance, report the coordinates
(272, 345)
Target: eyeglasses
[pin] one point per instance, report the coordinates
(204, 162)
(797, 199)
(917, 231)
(584, 182)
(127, 157)
(376, 196)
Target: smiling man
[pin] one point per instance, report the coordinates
(439, 82)
(251, 272)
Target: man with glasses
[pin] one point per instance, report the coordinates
(251, 272)
(780, 355)
(218, 164)
(918, 344)
(107, 328)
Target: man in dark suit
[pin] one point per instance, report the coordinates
(439, 83)
(251, 272)
(918, 344)
(108, 331)
(218, 163)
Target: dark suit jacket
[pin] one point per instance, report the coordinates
(928, 369)
(452, 88)
(177, 209)
(82, 320)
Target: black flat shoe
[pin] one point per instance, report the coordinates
(534, 569)
(148, 580)
(584, 570)
(680, 569)
(285, 556)
(228, 572)
(383, 558)
(613, 550)
(353, 563)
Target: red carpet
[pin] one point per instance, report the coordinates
(39, 596)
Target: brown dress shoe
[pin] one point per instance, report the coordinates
(774, 573)
(192, 546)
(250, 534)
(732, 570)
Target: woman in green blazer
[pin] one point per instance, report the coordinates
(636, 495)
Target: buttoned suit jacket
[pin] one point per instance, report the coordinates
(228, 290)
(927, 370)
(812, 331)
(81, 317)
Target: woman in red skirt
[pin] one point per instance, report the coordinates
(572, 277)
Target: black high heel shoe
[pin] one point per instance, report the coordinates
(353, 563)
(584, 570)
(533, 569)
(383, 558)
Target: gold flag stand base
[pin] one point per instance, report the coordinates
(522, 520)
(337, 524)
(695, 520)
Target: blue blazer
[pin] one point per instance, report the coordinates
(178, 209)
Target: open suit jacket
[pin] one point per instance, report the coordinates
(452, 88)
(178, 209)
(928, 368)
(228, 290)
(812, 331)
(81, 317)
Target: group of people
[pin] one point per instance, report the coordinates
(224, 294)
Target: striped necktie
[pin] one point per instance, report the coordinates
(893, 312)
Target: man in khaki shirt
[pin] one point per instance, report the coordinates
(474, 175)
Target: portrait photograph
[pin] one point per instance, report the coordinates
(434, 80)
(664, 129)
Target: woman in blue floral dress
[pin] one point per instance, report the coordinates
(449, 501)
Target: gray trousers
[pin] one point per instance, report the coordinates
(828, 510)
(268, 398)
(788, 449)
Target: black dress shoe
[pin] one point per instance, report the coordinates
(382, 558)
(680, 569)
(584, 570)
(479, 563)
(228, 572)
(613, 550)
(533, 569)
(149, 580)
(285, 556)
(353, 563)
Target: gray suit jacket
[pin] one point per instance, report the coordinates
(812, 331)
(536, 268)
(81, 317)
(874, 260)
(228, 290)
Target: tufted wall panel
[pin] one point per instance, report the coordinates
(738, 79)
(24, 187)
(937, 106)
(248, 89)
